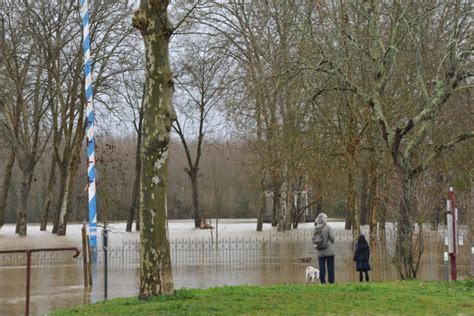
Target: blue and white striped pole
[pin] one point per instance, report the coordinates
(89, 130)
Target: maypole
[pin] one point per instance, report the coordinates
(89, 130)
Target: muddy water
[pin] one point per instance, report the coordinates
(56, 287)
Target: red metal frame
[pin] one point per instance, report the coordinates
(28, 266)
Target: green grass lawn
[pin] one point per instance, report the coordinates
(392, 298)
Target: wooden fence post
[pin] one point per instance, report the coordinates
(85, 254)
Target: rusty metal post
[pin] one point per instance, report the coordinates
(28, 277)
(84, 255)
(89, 270)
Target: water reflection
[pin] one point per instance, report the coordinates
(62, 286)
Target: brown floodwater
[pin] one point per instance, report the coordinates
(55, 287)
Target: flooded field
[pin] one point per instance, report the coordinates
(258, 259)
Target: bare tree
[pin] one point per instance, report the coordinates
(201, 79)
(261, 37)
(11, 158)
(111, 49)
(27, 100)
(394, 45)
(131, 92)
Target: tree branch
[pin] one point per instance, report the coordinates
(438, 150)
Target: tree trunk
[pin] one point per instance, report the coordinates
(49, 194)
(155, 261)
(263, 205)
(382, 214)
(364, 197)
(275, 203)
(319, 205)
(63, 176)
(193, 174)
(284, 222)
(372, 202)
(67, 201)
(297, 213)
(348, 222)
(135, 205)
(23, 208)
(263, 195)
(351, 197)
(137, 223)
(405, 256)
(6, 186)
(439, 207)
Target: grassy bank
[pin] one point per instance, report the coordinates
(395, 298)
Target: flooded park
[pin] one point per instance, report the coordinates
(239, 255)
(279, 111)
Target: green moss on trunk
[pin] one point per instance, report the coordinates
(155, 270)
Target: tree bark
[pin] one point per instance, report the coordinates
(275, 203)
(193, 174)
(298, 211)
(351, 197)
(364, 197)
(49, 194)
(6, 186)
(72, 164)
(263, 205)
(23, 208)
(382, 214)
(134, 208)
(67, 201)
(406, 258)
(284, 222)
(63, 175)
(155, 260)
(373, 198)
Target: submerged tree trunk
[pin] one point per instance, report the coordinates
(135, 205)
(71, 162)
(6, 186)
(263, 205)
(351, 198)
(406, 257)
(198, 217)
(49, 194)
(372, 202)
(284, 221)
(67, 201)
(364, 208)
(59, 199)
(155, 261)
(275, 203)
(23, 208)
(298, 211)
(382, 213)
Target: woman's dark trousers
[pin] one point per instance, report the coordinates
(322, 268)
(361, 278)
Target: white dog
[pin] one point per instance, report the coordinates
(312, 274)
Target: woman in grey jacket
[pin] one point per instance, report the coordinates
(323, 240)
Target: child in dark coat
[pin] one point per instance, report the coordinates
(361, 257)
